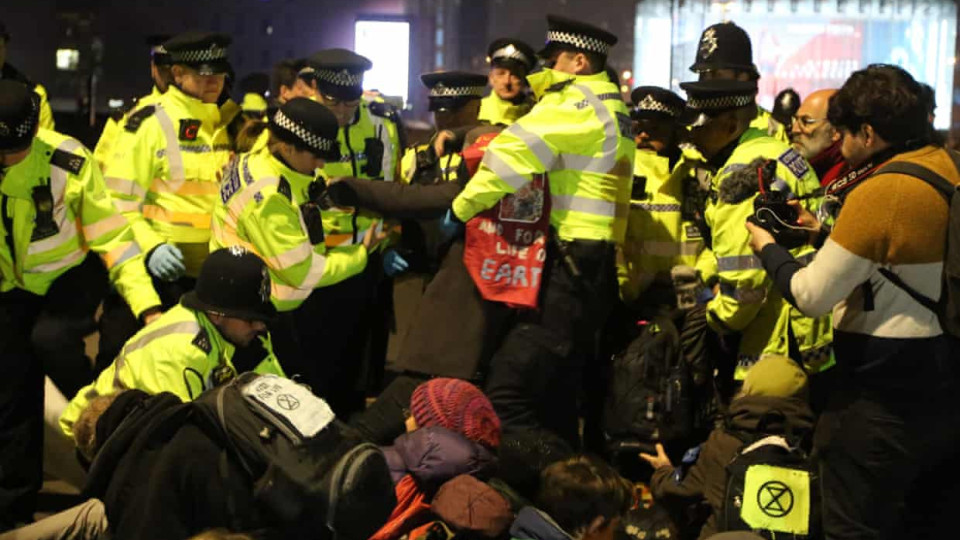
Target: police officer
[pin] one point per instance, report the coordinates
(54, 208)
(579, 133)
(661, 231)
(7, 71)
(271, 203)
(747, 305)
(190, 348)
(164, 175)
(162, 78)
(369, 146)
(725, 52)
(510, 61)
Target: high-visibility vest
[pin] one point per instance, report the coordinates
(112, 129)
(580, 135)
(341, 226)
(83, 217)
(182, 352)
(748, 302)
(259, 209)
(495, 110)
(658, 238)
(764, 122)
(164, 173)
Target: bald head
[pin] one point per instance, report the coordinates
(811, 133)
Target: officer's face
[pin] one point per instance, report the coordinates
(656, 135)
(569, 62)
(303, 161)
(715, 134)
(505, 83)
(725, 75)
(345, 111)
(240, 332)
(206, 88)
(465, 115)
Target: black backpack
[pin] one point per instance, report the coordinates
(650, 396)
(772, 489)
(947, 307)
(308, 469)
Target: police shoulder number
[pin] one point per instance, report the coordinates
(134, 120)
(793, 161)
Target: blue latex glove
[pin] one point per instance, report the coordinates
(166, 262)
(394, 263)
(450, 226)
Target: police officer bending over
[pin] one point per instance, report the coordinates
(190, 348)
(54, 208)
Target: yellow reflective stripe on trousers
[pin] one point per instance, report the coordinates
(105, 225)
(58, 188)
(174, 157)
(125, 186)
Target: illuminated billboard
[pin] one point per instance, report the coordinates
(387, 44)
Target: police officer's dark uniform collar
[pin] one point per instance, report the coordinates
(204, 52)
(571, 35)
(307, 123)
(451, 90)
(655, 103)
(512, 54)
(706, 99)
(19, 115)
(338, 73)
(724, 46)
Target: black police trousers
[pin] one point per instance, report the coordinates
(888, 445)
(535, 375)
(40, 334)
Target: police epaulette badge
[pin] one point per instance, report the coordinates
(134, 120)
(67, 161)
(283, 188)
(202, 341)
(795, 162)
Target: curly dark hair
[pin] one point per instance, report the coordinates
(887, 98)
(579, 489)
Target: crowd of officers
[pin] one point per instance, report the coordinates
(649, 202)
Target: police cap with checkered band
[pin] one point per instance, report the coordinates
(706, 99)
(233, 282)
(339, 73)
(157, 53)
(724, 46)
(565, 34)
(453, 89)
(655, 103)
(202, 51)
(512, 54)
(19, 115)
(306, 123)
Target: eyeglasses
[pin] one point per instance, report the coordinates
(805, 123)
(331, 101)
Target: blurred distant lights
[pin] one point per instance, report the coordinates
(626, 75)
(624, 88)
(68, 59)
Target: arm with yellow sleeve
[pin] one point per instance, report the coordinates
(275, 230)
(108, 233)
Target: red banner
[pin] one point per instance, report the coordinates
(506, 246)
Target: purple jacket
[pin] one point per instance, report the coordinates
(434, 455)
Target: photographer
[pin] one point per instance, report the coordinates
(894, 424)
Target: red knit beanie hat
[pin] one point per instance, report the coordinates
(458, 406)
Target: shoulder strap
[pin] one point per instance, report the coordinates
(919, 171)
(923, 300)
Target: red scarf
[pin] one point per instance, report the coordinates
(828, 164)
(851, 178)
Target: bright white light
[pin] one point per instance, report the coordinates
(68, 59)
(387, 45)
(626, 74)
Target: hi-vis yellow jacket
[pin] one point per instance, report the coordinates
(338, 224)
(496, 110)
(764, 122)
(748, 303)
(580, 135)
(163, 173)
(85, 219)
(112, 129)
(259, 209)
(658, 238)
(182, 352)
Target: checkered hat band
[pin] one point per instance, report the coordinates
(650, 104)
(510, 53)
(198, 55)
(458, 91)
(310, 139)
(722, 102)
(579, 41)
(340, 78)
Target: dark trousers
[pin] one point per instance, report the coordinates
(118, 323)
(40, 334)
(887, 444)
(324, 340)
(535, 376)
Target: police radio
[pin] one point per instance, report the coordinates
(374, 150)
(772, 212)
(317, 199)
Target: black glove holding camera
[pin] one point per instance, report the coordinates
(772, 212)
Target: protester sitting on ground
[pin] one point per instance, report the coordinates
(189, 348)
(775, 384)
(452, 430)
(581, 498)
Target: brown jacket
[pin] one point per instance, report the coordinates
(707, 478)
